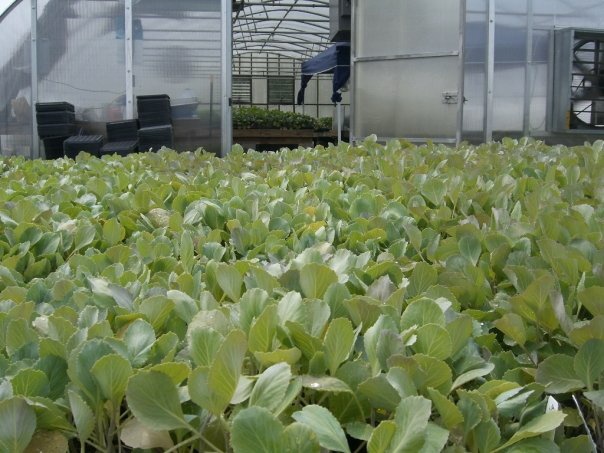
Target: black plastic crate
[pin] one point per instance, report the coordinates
(120, 148)
(120, 131)
(56, 130)
(89, 143)
(59, 117)
(145, 97)
(155, 137)
(53, 147)
(54, 107)
(153, 106)
(155, 119)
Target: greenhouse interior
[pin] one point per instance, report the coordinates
(301, 226)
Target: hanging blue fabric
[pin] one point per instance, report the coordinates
(334, 60)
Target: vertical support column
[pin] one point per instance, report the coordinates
(528, 70)
(353, 44)
(460, 83)
(489, 72)
(35, 141)
(227, 68)
(128, 49)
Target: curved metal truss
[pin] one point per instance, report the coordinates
(297, 29)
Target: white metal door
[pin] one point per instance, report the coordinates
(407, 69)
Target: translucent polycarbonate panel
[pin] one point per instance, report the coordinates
(411, 106)
(178, 52)
(391, 27)
(474, 69)
(81, 57)
(510, 64)
(15, 81)
(568, 13)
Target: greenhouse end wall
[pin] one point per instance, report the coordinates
(85, 53)
(523, 63)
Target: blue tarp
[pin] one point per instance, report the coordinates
(336, 61)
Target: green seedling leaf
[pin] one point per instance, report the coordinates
(30, 382)
(450, 414)
(382, 437)
(433, 340)
(423, 277)
(262, 330)
(422, 312)
(135, 434)
(315, 279)
(557, 374)
(537, 426)
(112, 373)
(118, 294)
(139, 339)
(513, 326)
(254, 430)
(187, 252)
(324, 384)
(82, 415)
(596, 397)
(18, 425)
(325, 426)
(380, 393)
(113, 232)
(589, 362)
(84, 235)
(153, 399)
(411, 418)
(203, 346)
(487, 436)
(472, 374)
(470, 248)
(230, 281)
(213, 388)
(300, 438)
(592, 298)
(434, 190)
(271, 386)
(460, 331)
(435, 440)
(338, 343)
(291, 356)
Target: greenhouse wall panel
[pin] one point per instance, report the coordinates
(81, 60)
(15, 82)
(406, 69)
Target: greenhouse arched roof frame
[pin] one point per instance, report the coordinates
(293, 28)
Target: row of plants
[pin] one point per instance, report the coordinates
(261, 118)
(353, 298)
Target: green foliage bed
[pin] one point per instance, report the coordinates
(261, 118)
(370, 298)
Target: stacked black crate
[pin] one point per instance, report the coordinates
(88, 143)
(155, 118)
(56, 122)
(122, 138)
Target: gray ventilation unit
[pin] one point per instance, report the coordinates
(578, 80)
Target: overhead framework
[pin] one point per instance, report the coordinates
(297, 29)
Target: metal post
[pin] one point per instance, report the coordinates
(227, 57)
(35, 141)
(489, 73)
(339, 116)
(528, 69)
(353, 54)
(128, 49)
(460, 83)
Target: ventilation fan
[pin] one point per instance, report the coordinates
(587, 82)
